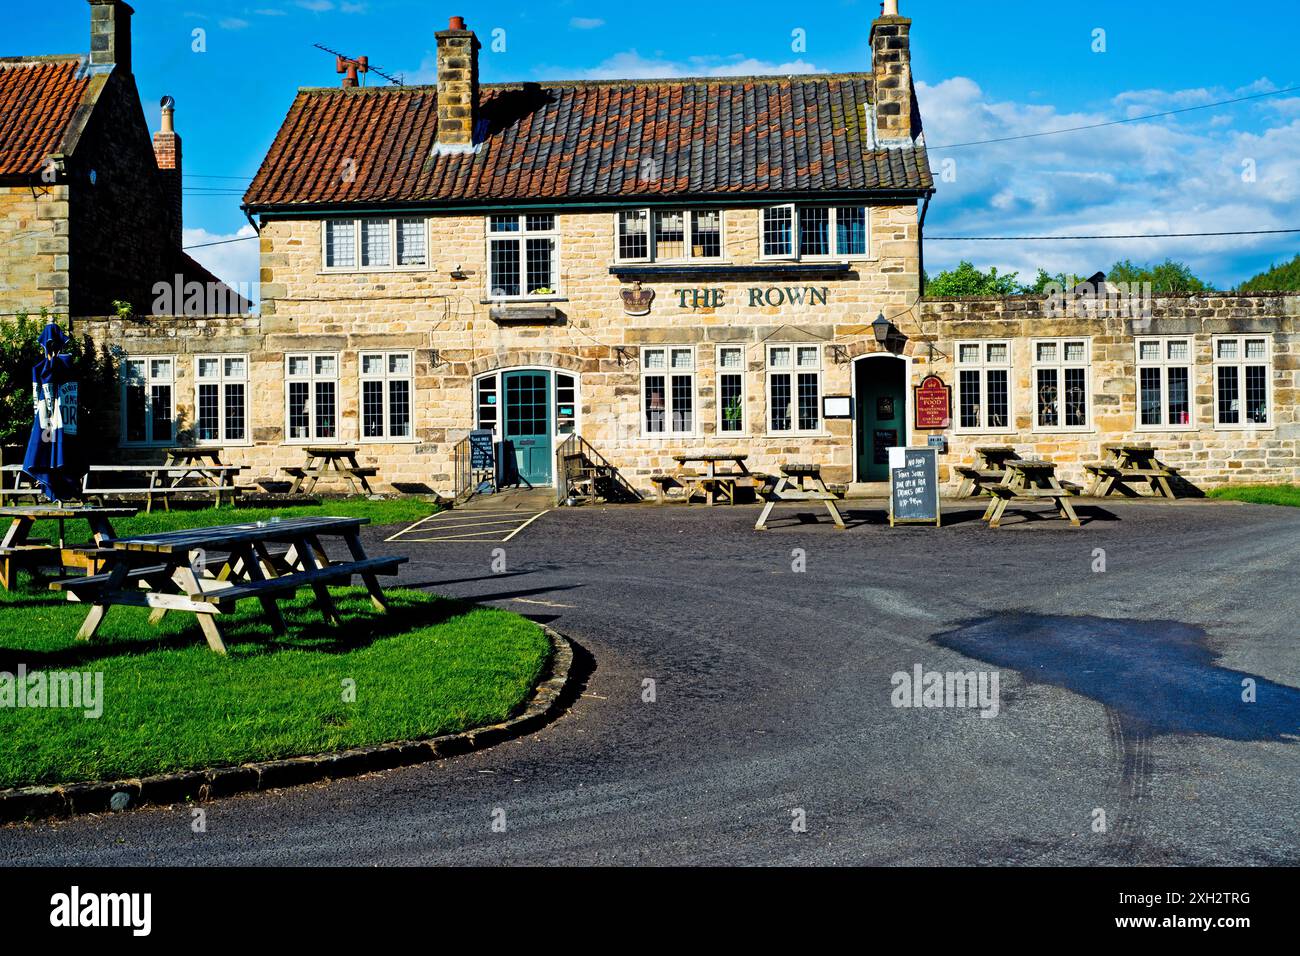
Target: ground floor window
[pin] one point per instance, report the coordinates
(1164, 382)
(1061, 390)
(1243, 369)
(312, 396)
(984, 385)
(387, 382)
(668, 391)
(148, 411)
(794, 388)
(731, 389)
(221, 398)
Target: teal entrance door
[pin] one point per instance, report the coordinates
(881, 400)
(526, 427)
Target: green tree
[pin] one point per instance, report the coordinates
(1066, 280)
(1169, 277)
(966, 280)
(1280, 278)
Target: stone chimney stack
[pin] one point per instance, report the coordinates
(110, 34)
(897, 120)
(167, 152)
(457, 87)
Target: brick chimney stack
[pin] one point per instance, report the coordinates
(457, 87)
(110, 34)
(897, 120)
(167, 152)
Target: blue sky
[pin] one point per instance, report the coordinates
(984, 70)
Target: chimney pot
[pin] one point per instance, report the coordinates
(457, 23)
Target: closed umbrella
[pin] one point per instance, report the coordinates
(51, 457)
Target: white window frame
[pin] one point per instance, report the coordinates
(1163, 364)
(1060, 365)
(688, 237)
(982, 367)
(794, 370)
(393, 236)
(313, 378)
(221, 381)
(797, 210)
(521, 236)
(386, 377)
(743, 374)
(1240, 363)
(150, 440)
(668, 373)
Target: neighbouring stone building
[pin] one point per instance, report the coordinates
(668, 266)
(90, 204)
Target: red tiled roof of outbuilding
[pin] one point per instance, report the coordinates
(38, 101)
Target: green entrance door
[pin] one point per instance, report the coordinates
(881, 400)
(527, 427)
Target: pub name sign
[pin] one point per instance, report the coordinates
(754, 298)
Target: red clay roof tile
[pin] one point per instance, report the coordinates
(38, 99)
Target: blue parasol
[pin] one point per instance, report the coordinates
(51, 457)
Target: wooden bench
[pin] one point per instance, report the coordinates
(16, 483)
(973, 480)
(338, 573)
(221, 481)
(664, 483)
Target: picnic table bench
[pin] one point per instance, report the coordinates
(1028, 480)
(799, 482)
(208, 571)
(330, 461)
(585, 479)
(18, 549)
(164, 482)
(711, 482)
(17, 484)
(989, 469)
(1126, 462)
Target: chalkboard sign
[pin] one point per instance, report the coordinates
(482, 455)
(914, 487)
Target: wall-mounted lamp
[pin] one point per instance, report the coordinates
(881, 328)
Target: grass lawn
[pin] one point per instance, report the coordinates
(387, 511)
(1260, 494)
(431, 666)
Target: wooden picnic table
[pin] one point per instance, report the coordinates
(330, 460)
(711, 482)
(166, 481)
(208, 571)
(1028, 480)
(1125, 462)
(16, 483)
(990, 468)
(800, 482)
(193, 453)
(17, 547)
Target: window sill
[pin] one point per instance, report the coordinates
(523, 300)
(384, 270)
(1245, 428)
(762, 268)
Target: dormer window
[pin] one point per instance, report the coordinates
(669, 235)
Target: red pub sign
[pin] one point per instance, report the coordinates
(933, 403)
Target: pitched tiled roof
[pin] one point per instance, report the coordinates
(38, 99)
(576, 141)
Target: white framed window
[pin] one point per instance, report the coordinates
(668, 391)
(387, 385)
(733, 418)
(487, 400)
(311, 391)
(523, 256)
(984, 386)
(794, 389)
(669, 235)
(1062, 384)
(1243, 381)
(815, 232)
(1165, 383)
(148, 400)
(375, 244)
(221, 399)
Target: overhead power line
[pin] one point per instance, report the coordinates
(1119, 122)
(1147, 235)
(223, 242)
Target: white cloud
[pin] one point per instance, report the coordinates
(1177, 174)
(233, 23)
(632, 65)
(232, 262)
(586, 23)
(316, 6)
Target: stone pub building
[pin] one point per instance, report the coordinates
(668, 266)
